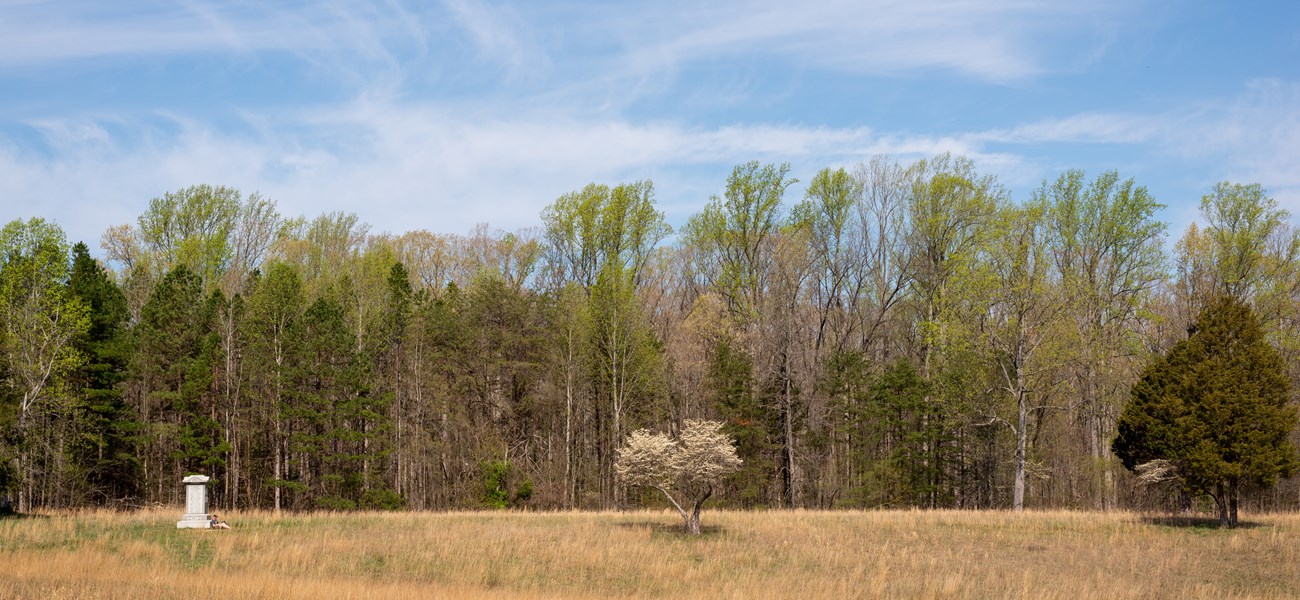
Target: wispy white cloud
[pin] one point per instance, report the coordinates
(341, 39)
(444, 167)
(499, 34)
(1256, 136)
(1253, 136)
(411, 167)
(998, 40)
(406, 152)
(44, 32)
(1104, 128)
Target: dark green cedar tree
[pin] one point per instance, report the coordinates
(1215, 408)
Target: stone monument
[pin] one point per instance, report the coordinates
(196, 503)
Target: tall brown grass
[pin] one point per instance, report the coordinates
(900, 554)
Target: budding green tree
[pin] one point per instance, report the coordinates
(39, 324)
(684, 469)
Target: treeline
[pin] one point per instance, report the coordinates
(903, 335)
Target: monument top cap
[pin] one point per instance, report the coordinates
(195, 479)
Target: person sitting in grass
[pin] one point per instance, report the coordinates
(216, 523)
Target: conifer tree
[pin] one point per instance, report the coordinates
(1214, 412)
(175, 355)
(106, 452)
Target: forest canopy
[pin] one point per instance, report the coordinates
(901, 335)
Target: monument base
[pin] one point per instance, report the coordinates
(189, 521)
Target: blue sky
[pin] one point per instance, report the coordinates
(439, 115)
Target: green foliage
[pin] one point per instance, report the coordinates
(1108, 242)
(734, 230)
(951, 209)
(201, 447)
(177, 350)
(108, 426)
(1217, 406)
(496, 487)
(329, 502)
(600, 240)
(499, 490)
(898, 436)
(731, 387)
(524, 492)
(40, 322)
(871, 348)
(39, 318)
(382, 499)
(597, 227)
(288, 485)
(900, 399)
(1242, 220)
(828, 205)
(192, 228)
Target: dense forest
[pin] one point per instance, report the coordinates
(902, 335)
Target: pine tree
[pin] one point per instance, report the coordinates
(731, 386)
(106, 452)
(897, 397)
(1215, 410)
(175, 355)
(202, 447)
(274, 305)
(321, 384)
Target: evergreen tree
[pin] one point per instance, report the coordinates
(201, 446)
(339, 424)
(321, 384)
(176, 353)
(898, 411)
(275, 306)
(393, 362)
(1215, 410)
(731, 384)
(106, 452)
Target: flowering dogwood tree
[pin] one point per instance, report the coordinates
(684, 469)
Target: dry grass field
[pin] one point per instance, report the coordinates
(940, 554)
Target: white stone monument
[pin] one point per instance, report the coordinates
(196, 503)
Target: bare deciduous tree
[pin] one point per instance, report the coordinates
(688, 466)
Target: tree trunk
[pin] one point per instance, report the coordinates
(1232, 503)
(275, 414)
(927, 353)
(1018, 499)
(618, 384)
(690, 520)
(1221, 501)
(24, 460)
(787, 475)
(693, 521)
(568, 442)
(277, 463)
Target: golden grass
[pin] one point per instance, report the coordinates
(896, 554)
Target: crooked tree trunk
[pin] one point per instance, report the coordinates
(693, 523)
(1225, 499)
(1221, 501)
(690, 520)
